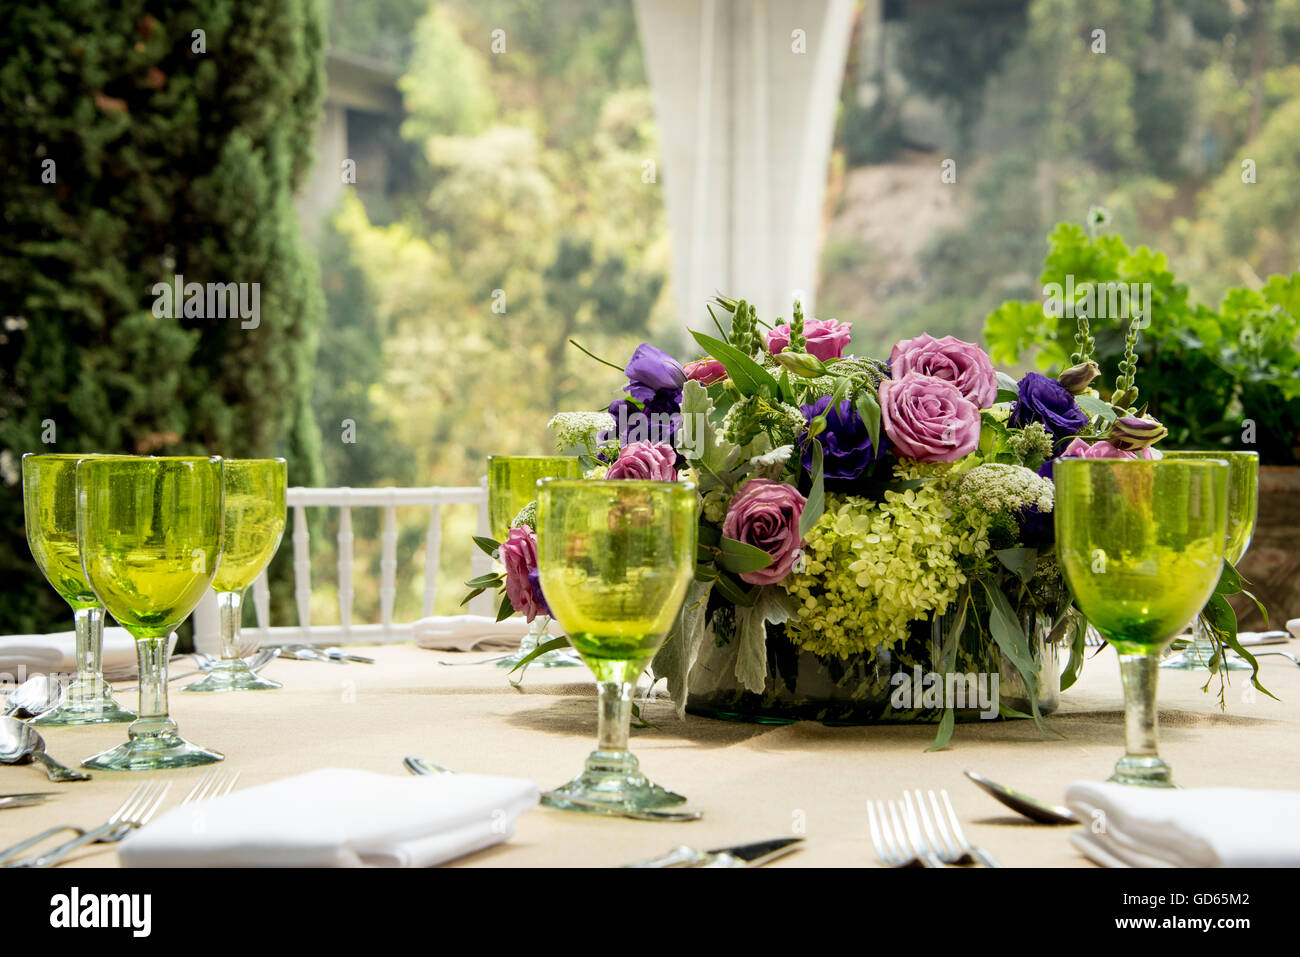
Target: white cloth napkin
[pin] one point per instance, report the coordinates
(1132, 826)
(42, 654)
(473, 632)
(336, 818)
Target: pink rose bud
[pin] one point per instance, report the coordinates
(654, 461)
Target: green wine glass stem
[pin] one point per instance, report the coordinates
(230, 672)
(1141, 763)
(615, 720)
(154, 721)
(89, 627)
(229, 612)
(88, 698)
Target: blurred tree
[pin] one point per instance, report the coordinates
(141, 143)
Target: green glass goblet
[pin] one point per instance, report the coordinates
(1243, 507)
(253, 526)
(1141, 544)
(50, 515)
(512, 484)
(150, 531)
(615, 559)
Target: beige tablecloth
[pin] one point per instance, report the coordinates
(751, 781)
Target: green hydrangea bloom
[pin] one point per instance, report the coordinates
(752, 416)
(1031, 442)
(873, 567)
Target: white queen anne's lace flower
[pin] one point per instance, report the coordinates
(579, 428)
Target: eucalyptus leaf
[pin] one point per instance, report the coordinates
(816, 502)
(732, 590)
(868, 408)
(487, 544)
(1012, 641)
(1021, 562)
(551, 644)
(736, 556)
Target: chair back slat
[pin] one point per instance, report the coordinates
(207, 637)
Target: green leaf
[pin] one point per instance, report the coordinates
(816, 503)
(484, 581)
(1021, 562)
(867, 405)
(1096, 408)
(732, 590)
(542, 648)
(472, 595)
(747, 375)
(771, 604)
(709, 451)
(1014, 644)
(1078, 650)
(676, 656)
(736, 556)
(949, 718)
(487, 544)
(505, 609)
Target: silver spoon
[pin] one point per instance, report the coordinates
(36, 695)
(20, 743)
(420, 766)
(1030, 807)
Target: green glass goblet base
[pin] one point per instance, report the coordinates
(1198, 655)
(85, 702)
(154, 750)
(613, 779)
(232, 674)
(1147, 771)
(537, 633)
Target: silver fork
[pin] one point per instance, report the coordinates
(945, 834)
(138, 810)
(898, 844)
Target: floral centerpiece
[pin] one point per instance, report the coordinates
(876, 535)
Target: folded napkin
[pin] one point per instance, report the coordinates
(1201, 827)
(336, 818)
(42, 654)
(473, 632)
(1293, 626)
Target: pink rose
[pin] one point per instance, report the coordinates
(519, 554)
(766, 514)
(827, 338)
(928, 419)
(964, 364)
(655, 461)
(705, 371)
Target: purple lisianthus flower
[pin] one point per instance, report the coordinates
(846, 444)
(1041, 399)
(656, 421)
(652, 371)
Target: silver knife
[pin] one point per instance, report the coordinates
(338, 654)
(307, 653)
(741, 855)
